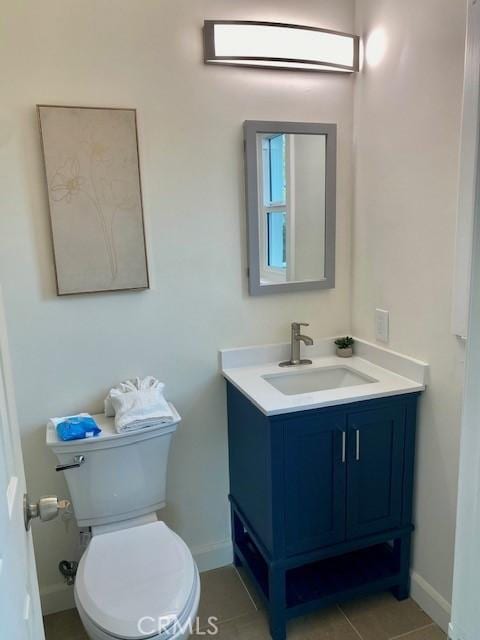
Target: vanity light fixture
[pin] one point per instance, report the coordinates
(279, 46)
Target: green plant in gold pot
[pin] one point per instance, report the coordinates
(344, 347)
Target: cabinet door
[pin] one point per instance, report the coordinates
(315, 477)
(375, 470)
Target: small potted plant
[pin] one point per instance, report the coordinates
(344, 347)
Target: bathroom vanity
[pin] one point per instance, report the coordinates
(321, 479)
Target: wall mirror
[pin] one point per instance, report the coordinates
(291, 199)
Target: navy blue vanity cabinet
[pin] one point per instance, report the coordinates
(315, 475)
(322, 501)
(375, 470)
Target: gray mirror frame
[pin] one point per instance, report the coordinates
(251, 128)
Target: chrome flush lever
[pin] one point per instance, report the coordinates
(77, 462)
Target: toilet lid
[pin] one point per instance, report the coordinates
(145, 572)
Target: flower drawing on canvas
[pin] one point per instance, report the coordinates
(67, 181)
(96, 174)
(93, 180)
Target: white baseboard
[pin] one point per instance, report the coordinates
(58, 597)
(430, 601)
(454, 633)
(213, 556)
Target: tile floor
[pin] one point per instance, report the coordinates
(227, 595)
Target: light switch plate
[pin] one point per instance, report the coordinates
(381, 325)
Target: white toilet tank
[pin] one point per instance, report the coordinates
(123, 476)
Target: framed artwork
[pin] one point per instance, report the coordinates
(95, 197)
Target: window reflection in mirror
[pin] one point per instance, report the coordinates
(290, 170)
(291, 180)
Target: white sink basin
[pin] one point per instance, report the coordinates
(311, 380)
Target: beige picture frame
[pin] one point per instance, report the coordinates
(92, 170)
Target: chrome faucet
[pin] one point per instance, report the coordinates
(296, 338)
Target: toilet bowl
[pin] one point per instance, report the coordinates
(137, 578)
(139, 582)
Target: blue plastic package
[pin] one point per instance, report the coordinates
(77, 428)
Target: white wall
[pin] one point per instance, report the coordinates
(407, 129)
(67, 352)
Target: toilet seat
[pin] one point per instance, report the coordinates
(144, 572)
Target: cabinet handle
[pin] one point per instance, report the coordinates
(344, 446)
(357, 444)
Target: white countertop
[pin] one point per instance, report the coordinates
(245, 368)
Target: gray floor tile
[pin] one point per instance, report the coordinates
(330, 624)
(326, 624)
(428, 633)
(223, 596)
(241, 616)
(65, 625)
(383, 617)
(252, 590)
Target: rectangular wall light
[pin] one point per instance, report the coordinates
(279, 46)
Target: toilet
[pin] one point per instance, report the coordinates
(137, 578)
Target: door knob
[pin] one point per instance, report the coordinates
(47, 508)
